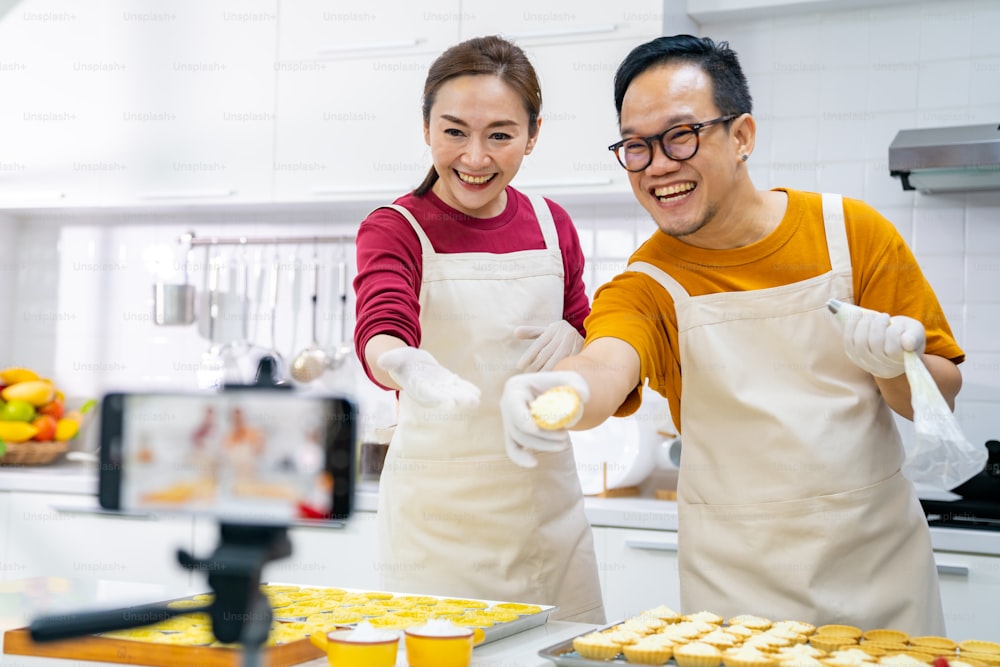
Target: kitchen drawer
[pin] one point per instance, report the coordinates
(68, 536)
(638, 571)
(970, 588)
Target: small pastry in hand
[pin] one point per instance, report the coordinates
(557, 408)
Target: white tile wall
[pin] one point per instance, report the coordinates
(831, 89)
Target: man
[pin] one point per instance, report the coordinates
(791, 502)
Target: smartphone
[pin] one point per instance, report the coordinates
(249, 455)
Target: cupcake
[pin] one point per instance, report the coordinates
(697, 654)
(596, 646)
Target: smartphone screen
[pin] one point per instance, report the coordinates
(252, 456)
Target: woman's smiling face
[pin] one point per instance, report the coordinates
(478, 134)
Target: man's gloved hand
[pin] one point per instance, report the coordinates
(875, 341)
(521, 435)
(426, 381)
(552, 344)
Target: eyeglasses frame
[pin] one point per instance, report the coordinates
(695, 128)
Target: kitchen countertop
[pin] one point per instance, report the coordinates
(520, 650)
(637, 513)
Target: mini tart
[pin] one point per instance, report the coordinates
(648, 651)
(799, 661)
(719, 639)
(596, 646)
(753, 622)
(843, 630)
(935, 643)
(800, 627)
(802, 650)
(518, 608)
(741, 632)
(466, 604)
(900, 660)
(979, 646)
(697, 654)
(747, 657)
(415, 600)
(831, 642)
(886, 635)
(853, 654)
(556, 408)
(187, 604)
(664, 613)
(984, 658)
(395, 622)
(704, 617)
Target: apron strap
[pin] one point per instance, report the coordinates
(836, 233)
(425, 243)
(673, 287)
(545, 221)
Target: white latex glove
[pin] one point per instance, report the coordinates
(552, 344)
(875, 341)
(426, 381)
(521, 435)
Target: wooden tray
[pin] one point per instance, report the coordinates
(129, 652)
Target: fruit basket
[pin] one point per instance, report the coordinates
(35, 425)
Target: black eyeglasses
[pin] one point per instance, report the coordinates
(679, 142)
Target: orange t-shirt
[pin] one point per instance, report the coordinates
(636, 309)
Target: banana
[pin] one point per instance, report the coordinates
(17, 431)
(15, 374)
(36, 392)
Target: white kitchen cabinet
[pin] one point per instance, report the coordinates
(350, 127)
(970, 589)
(319, 29)
(66, 536)
(639, 571)
(528, 21)
(110, 103)
(346, 557)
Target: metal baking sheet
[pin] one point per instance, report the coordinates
(493, 633)
(563, 654)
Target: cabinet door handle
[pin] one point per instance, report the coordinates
(652, 545)
(957, 570)
(99, 511)
(188, 194)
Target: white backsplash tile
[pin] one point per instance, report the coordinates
(939, 230)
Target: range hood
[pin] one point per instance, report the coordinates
(947, 159)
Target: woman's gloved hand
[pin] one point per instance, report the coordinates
(875, 341)
(552, 344)
(522, 436)
(426, 381)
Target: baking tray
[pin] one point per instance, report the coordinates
(493, 633)
(563, 654)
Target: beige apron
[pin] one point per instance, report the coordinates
(456, 516)
(791, 503)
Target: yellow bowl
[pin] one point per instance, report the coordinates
(343, 650)
(455, 650)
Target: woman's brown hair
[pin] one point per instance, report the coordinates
(483, 55)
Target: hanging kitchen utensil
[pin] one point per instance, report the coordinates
(210, 373)
(173, 304)
(274, 285)
(313, 361)
(343, 349)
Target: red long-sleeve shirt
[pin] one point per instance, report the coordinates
(387, 286)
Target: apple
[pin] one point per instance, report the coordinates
(54, 408)
(46, 425)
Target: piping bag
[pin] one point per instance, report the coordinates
(940, 456)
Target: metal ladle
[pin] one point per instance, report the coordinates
(313, 361)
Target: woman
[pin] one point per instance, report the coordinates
(461, 284)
